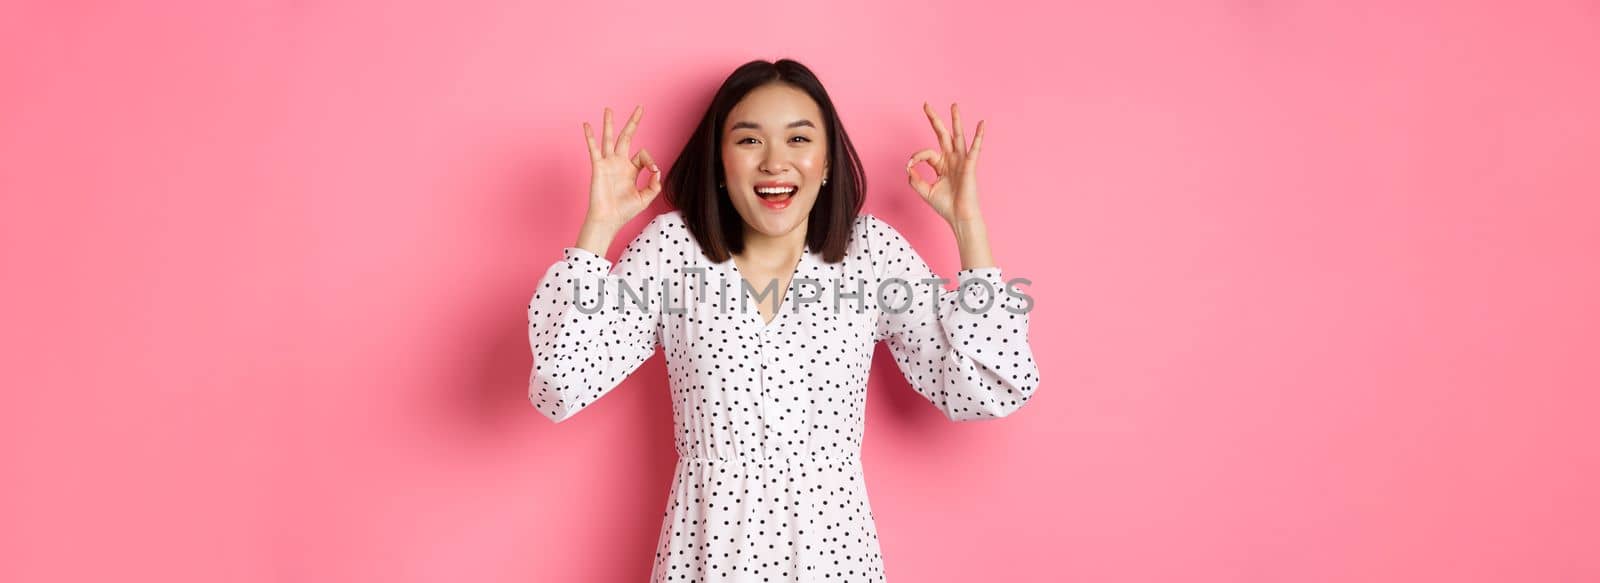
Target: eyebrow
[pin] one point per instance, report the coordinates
(755, 126)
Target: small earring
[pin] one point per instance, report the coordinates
(824, 182)
(719, 187)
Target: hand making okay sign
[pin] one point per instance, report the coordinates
(614, 195)
(954, 193)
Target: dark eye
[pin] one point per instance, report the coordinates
(744, 140)
(802, 138)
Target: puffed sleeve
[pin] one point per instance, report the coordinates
(967, 354)
(590, 325)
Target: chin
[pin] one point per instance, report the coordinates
(776, 222)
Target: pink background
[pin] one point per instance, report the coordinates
(1317, 286)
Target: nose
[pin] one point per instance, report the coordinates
(773, 163)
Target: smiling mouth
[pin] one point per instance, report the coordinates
(776, 194)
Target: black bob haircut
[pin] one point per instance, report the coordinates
(691, 182)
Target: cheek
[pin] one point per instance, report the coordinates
(738, 164)
(812, 163)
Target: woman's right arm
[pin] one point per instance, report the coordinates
(590, 325)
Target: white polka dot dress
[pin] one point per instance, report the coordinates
(769, 415)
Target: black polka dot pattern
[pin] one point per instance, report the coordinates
(769, 414)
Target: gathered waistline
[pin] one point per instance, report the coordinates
(785, 459)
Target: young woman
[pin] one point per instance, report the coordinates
(769, 402)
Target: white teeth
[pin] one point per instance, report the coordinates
(775, 190)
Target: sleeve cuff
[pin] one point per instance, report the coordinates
(586, 260)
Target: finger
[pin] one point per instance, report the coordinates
(934, 159)
(977, 142)
(607, 146)
(624, 141)
(955, 119)
(938, 126)
(643, 160)
(917, 183)
(588, 136)
(654, 188)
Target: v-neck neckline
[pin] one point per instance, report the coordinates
(754, 316)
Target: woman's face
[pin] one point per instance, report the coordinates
(774, 137)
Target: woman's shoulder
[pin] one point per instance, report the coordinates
(667, 218)
(884, 245)
(875, 232)
(666, 225)
(666, 235)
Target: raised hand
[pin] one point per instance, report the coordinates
(954, 193)
(614, 196)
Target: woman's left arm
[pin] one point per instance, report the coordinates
(968, 351)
